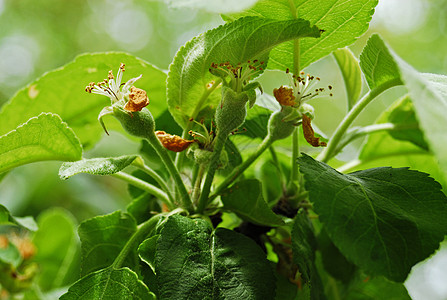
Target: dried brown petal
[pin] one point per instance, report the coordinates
(137, 100)
(284, 96)
(173, 142)
(309, 133)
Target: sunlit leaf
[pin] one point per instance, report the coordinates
(342, 21)
(195, 262)
(381, 219)
(62, 92)
(377, 63)
(44, 137)
(96, 166)
(237, 42)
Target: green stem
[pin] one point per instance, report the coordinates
(195, 113)
(214, 163)
(139, 236)
(151, 189)
(197, 184)
(329, 151)
(360, 132)
(295, 154)
(154, 175)
(277, 165)
(267, 142)
(173, 171)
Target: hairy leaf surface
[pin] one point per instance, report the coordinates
(193, 261)
(96, 166)
(342, 21)
(250, 38)
(44, 137)
(381, 219)
(102, 239)
(109, 283)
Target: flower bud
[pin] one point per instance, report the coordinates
(139, 123)
(278, 127)
(232, 111)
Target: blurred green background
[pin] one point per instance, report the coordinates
(39, 36)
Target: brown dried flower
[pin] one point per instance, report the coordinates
(284, 96)
(309, 134)
(137, 100)
(173, 142)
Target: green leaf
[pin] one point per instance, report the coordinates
(57, 246)
(10, 255)
(403, 116)
(62, 92)
(102, 239)
(376, 288)
(7, 219)
(333, 261)
(147, 250)
(245, 199)
(381, 219)
(377, 63)
(195, 262)
(405, 139)
(352, 75)
(96, 166)
(237, 42)
(109, 283)
(44, 137)
(428, 96)
(304, 246)
(342, 21)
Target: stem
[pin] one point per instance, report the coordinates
(277, 165)
(151, 189)
(329, 151)
(154, 175)
(197, 184)
(372, 129)
(267, 142)
(195, 113)
(214, 163)
(141, 233)
(173, 171)
(295, 154)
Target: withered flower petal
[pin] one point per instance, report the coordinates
(284, 96)
(137, 100)
(173, 142)
(309, 134)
